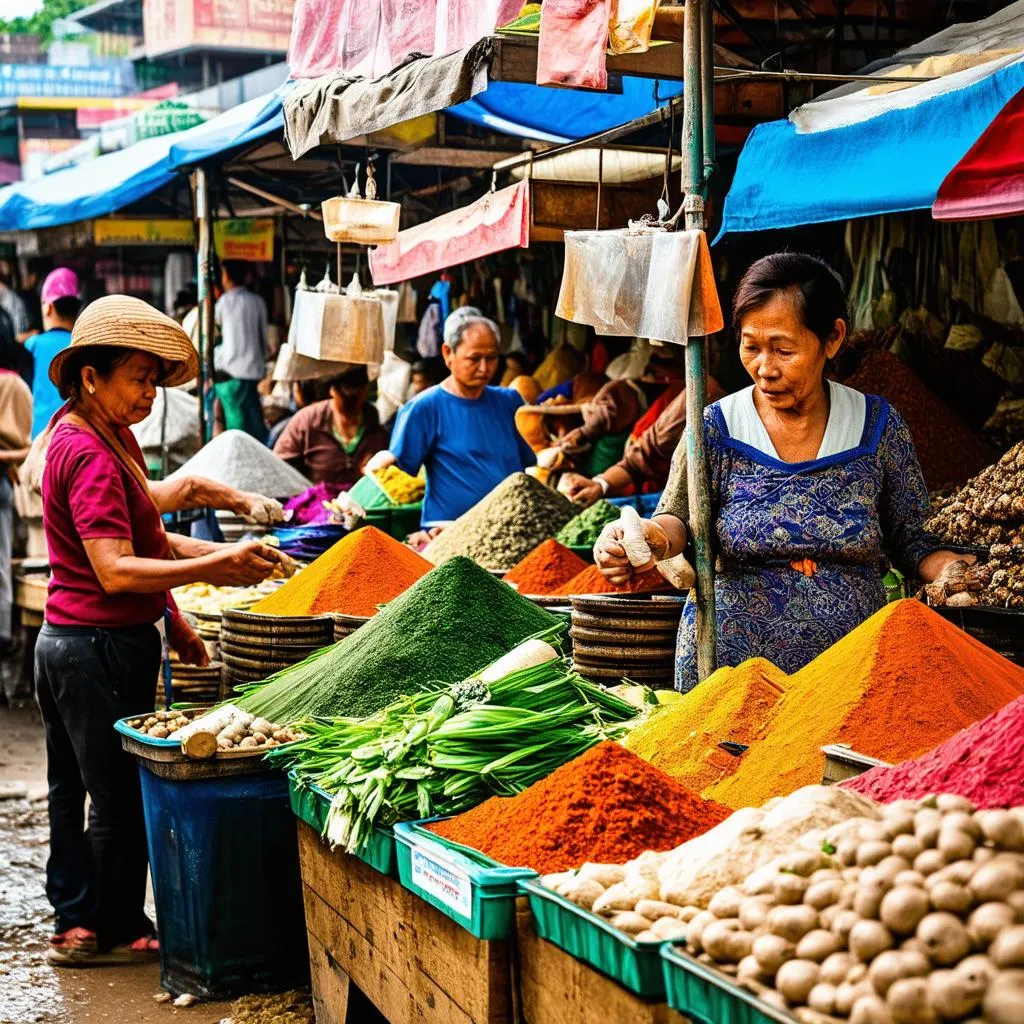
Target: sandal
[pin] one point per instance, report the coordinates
(80, 951)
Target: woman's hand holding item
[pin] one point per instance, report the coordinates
(242, 565)
(255, 508)
(610, 551)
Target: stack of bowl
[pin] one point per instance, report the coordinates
(191, 684)
(629, 637)
(345, 625)
(253, 647)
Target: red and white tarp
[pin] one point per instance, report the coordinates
(500, 220)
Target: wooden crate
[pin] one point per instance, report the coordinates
(556, 988)
(413, 963)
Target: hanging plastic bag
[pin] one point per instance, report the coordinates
(630, 24)
(573, 41)
(460, 23)
(648, 283)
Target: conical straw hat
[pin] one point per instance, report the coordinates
(127, 322)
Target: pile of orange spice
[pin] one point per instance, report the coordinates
(547, 567)
(363, 570)
(899, 684)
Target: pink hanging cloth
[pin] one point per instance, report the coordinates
(573, 41)
(500, 220)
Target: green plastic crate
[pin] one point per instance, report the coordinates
(709, 997)
(310, 804)
(590, 938)
(397, 521)
(473, 890)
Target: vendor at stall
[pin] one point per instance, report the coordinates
(98, 652)
(815, 487)
(646, 461)
(332, 440)
(462, 430)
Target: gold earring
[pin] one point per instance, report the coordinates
(92, 391)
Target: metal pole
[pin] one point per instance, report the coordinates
(696, 106)
(204, 272)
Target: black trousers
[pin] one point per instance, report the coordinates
(86, 679)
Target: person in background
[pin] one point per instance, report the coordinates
(13, 304)
(462, 430)
(59, 297)
(332, 440)
(15, 431)
(240, 358)
(646, 462)
(425, 374)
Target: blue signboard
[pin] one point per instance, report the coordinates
(51, 80)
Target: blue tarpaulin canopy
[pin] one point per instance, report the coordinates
(116, 180)
(111, 182)
(888, 164)
(563, 115)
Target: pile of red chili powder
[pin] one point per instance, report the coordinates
(606, 806)
(546, 568)
(982, 762)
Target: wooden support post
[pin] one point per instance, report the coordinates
(204, 281)
(697, 107)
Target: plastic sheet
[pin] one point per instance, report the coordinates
(630, 24)
(368, 38)
(573, 41)
(459, 23)
(649, 284)
(499, 220)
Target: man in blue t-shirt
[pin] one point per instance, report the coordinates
(462, 430)
(60, 302)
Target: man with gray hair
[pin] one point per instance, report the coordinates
(462, 430)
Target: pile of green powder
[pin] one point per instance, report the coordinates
(584, 530)
(501, 529)
(452, 622)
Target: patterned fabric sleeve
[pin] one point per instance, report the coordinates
(903, 504)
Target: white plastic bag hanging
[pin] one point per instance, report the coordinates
(642, 282)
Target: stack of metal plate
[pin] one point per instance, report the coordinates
(254, 646)
(629, 637)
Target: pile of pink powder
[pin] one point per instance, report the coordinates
(982, 762)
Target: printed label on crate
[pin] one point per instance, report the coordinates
(444, 881)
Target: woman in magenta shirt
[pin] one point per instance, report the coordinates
(98, 652)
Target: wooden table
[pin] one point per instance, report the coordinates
(417, 966)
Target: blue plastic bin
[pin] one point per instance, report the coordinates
(224, 860)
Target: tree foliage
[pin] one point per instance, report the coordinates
(41, 23)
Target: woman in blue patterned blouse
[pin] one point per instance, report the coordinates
(815, 487)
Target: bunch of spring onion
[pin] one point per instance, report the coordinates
(446, 750)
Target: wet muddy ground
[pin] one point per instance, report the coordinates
(31, 991)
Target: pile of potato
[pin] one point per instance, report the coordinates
(162, 724)
(249, 733)
(915, 918)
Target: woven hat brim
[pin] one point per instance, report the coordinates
(153, 334)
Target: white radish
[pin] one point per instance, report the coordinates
(633, 541)
(215, 721)
(526, 655)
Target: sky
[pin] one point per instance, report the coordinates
(20, 8)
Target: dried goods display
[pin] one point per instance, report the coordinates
(997, 583)
(948, 450)
(988, 509)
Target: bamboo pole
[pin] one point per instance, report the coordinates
(698, 107)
